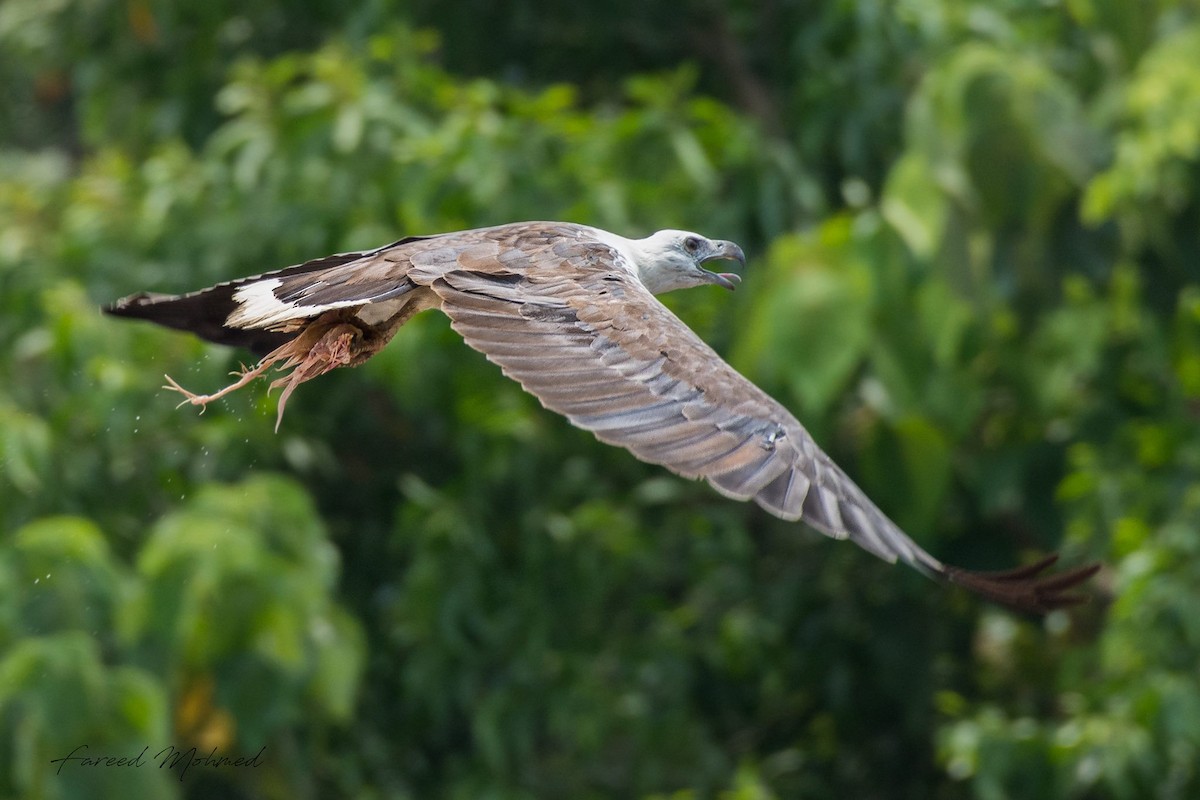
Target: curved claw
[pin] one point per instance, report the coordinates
(1022, 589)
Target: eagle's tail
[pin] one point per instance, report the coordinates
(203, 313)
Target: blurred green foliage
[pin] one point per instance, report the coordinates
(974, 238)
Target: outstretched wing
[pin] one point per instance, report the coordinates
(580, 332)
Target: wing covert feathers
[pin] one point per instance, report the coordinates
(561, 312)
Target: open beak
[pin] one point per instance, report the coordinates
(725, 251)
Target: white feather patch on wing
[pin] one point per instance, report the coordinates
(258, 307)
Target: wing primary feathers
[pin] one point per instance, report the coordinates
(1026, 589)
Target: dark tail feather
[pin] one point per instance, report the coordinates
(1026, 589)
(202, 313)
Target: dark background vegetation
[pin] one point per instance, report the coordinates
(974, 230)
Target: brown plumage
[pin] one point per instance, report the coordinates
(569, 312)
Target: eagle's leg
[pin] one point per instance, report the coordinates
(326, 343)
(337, 346)
(245, 376)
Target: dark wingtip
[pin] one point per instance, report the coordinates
(134, 305)
(1026, 589)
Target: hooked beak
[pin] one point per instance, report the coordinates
(724, 251)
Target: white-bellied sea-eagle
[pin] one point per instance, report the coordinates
(569, 312)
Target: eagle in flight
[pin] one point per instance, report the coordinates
(569, 312)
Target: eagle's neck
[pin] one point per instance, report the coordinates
(636, 257)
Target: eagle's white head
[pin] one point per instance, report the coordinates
(672, 260)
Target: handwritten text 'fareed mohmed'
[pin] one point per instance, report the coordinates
(170, 757)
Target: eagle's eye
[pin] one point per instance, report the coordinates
(692, 244)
